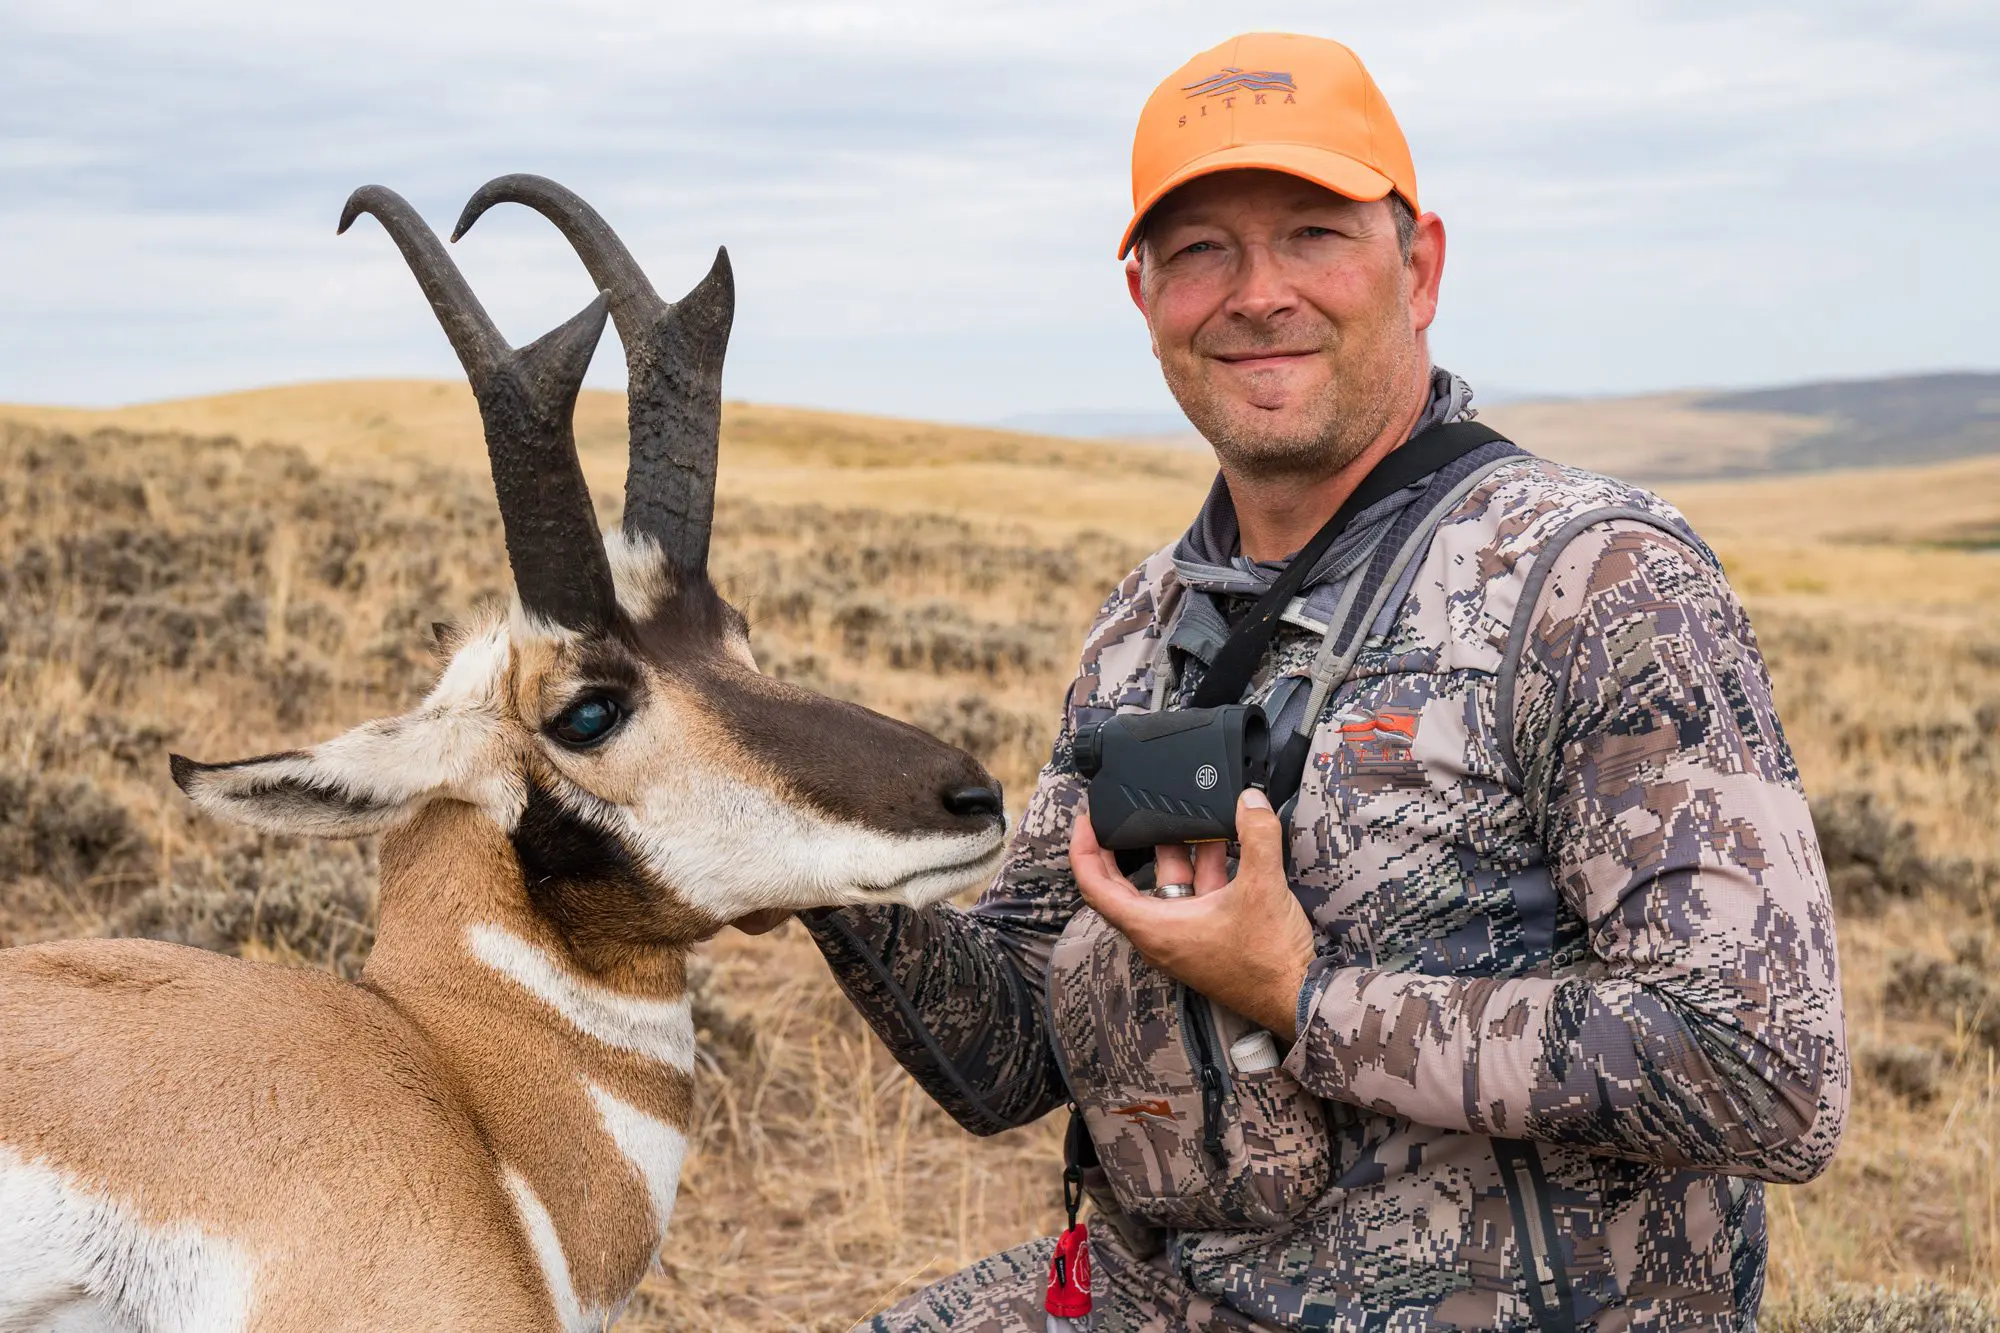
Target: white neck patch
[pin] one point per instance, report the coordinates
(547, 1245)
(654, 1148)
(659, 1030)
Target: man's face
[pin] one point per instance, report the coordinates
(1285, 317)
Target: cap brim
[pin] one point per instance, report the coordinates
(1337, 172)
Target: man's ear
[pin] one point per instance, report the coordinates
(1135, 286)
(367, 781)
(1426, 270)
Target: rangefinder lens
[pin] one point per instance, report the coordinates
(1089, 750)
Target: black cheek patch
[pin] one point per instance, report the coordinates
(588, 885)
(553, 844)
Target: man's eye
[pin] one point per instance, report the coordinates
(587, 721)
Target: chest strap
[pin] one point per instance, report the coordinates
(1374, 595)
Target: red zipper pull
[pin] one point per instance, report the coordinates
(1069, 1280)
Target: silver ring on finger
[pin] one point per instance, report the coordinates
(1174, 891)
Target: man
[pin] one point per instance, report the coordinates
(1544, 942)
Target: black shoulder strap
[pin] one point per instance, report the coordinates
(1236, 662)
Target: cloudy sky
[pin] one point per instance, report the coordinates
(922, 197)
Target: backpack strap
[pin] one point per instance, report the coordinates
(1515, 765)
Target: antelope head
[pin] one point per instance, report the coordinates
(613, 721)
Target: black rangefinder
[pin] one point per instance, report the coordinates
(1158, 778)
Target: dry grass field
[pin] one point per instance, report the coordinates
(242, 574)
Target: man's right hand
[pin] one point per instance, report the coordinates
(1244, 942)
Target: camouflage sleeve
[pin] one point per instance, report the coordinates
(1703, 1026)
(957, 996)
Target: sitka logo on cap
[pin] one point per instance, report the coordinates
(1234, 80)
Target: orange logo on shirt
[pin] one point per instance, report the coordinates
(1380, 737)
(1154, 1108)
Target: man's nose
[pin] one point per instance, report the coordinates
(1263, 291)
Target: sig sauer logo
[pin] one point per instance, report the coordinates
(1234, 80)
(1153, 1108)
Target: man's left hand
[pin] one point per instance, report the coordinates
(1242, 942)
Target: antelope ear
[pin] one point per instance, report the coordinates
(367, 781)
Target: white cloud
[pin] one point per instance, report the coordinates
(921, 199)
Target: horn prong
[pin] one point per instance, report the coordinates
(675, 413)
(527, 405)
(539, 478)
(673, 361)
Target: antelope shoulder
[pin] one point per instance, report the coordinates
(190, 1142)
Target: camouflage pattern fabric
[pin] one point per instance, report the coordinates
(1002, 1293)
(1576, 993)
(1129, 1039)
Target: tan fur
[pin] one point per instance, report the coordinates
(325, 1113)
(521, 1069)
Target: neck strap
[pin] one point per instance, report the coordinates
(1236, 662)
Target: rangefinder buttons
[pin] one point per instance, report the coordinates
(1206, 777)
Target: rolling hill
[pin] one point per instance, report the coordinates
(1873, 423)
(770, 454)
(1813, 462)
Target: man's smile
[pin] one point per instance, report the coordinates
(1264, 360)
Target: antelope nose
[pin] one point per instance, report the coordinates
(973, 802)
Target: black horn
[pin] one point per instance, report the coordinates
(527, 403)
(673, 361)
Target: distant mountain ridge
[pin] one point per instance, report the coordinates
(1880, 422)
(1892, 421)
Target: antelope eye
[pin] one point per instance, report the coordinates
(587, 721)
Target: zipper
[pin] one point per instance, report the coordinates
(1198, 1020)
(1545, 1274)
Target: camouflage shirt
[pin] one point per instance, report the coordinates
(1571, 919)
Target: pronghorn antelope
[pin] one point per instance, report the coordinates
(486, 1132)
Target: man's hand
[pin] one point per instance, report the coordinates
(1244, 943)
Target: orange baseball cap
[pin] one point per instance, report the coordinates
(1276, 100)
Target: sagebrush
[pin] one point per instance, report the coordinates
(218, 598)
